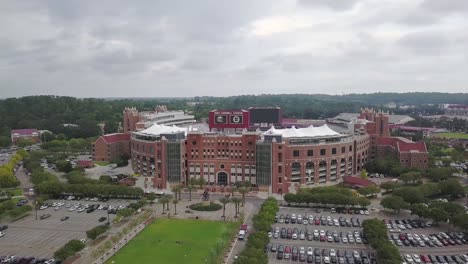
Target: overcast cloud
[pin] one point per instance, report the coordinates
(219, 48)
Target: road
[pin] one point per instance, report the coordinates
(23, 178)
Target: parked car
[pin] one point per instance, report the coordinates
(64, 218)
(44, 216)
(102, 219)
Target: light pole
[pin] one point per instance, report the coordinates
(35, 206)
(108, 221)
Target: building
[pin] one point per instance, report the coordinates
(410, 154)
(28, 134)
(456, 110)
(277, 160)
(135, 121)
(410, 131)
(274, 159)
(85, 164)
(111, 146)
(356, 182)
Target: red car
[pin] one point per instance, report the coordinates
(402, 237)
(317, 221)
(323, 238)
(425, 259)
(451, 242)
(444, 242)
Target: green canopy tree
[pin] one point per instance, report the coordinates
(395, 203)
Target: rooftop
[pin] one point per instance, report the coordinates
(157, 129)
(24, 132)
(309, 131)
(116, 137)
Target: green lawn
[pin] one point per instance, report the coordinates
(101, 163)
(157, 243)
(451, 135)
(14, 191)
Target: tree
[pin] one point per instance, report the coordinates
(395, 203)
(421, 210)
(389, 186)
(236, 201)
(364, 174)
(224, 201)
(243, 191)
(126, 212)
(164, 200)
(461, 221)
(190, 189)
(24, 143)
(451, 187)
(151, 197)
(64, 166)
(176, 190)
(411, 176)
(410, 194)
(370, 190)
(175, 202)
(201, 181)
(437, 215)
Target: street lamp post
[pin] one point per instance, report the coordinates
(35, 206)
(108, 221)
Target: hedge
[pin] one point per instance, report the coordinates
(202, 207)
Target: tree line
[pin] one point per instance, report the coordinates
(7, 171)
(376, 233)
(330, 195)
(257, 241)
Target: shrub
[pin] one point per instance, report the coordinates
(97, 231)
(202, 207)
(69, 249)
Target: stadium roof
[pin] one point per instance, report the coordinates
(309, 131)
(157, 129)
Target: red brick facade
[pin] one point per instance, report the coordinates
(111, 146)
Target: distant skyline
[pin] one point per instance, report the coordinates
(152, 48)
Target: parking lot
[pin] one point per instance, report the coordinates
(42, 237)
(338, 234)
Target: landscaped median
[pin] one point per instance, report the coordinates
(257, 241)
(179, 241)
(376, 232)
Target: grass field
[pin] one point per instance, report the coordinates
(451, 135)
(14, 191)
(101, 163)
(157, 243)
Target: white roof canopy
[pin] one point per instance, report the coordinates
(310, 131)
(162, 129)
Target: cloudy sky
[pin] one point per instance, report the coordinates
(218, 47)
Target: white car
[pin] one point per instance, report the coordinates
(409, 259)
(416, 258)
(305, 222)
(301, 250)
(270, 234)
(2, 234)
(299, 218)
(43, 207)
(310, 251)
(332, 252)
(344, 239)
(366, 212)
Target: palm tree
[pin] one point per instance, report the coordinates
(175, 189)
(168, 197)
(243, 191)
(224, 201)
(233, 189)
(163, 200)
(190, 189)
(175, 202)
(201, 182)
(236, 201)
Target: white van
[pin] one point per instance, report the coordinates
(241, 235)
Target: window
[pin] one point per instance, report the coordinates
(333, 150)
(343, 149)
(310, 153)
(280, 157)
(350, 148)
(280, 180)
(295, 153)
(280, 169)
(323, 152)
